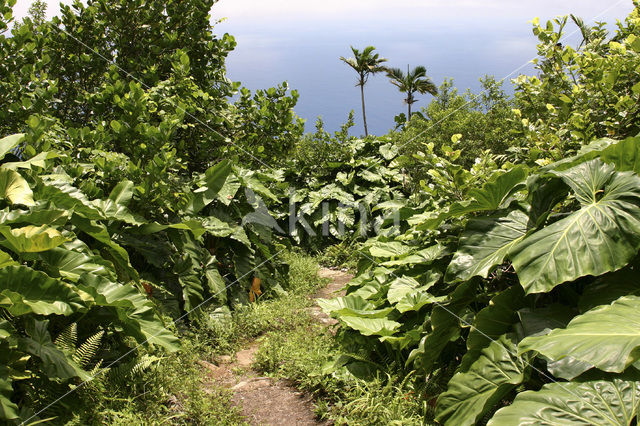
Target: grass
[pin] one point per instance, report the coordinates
(293, 346)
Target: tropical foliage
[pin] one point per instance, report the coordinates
(517, 290)
(497, 237)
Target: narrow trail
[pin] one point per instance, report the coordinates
(263, 400)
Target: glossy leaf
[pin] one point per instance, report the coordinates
(14, 188)
(31, 239)
(471, 394)
(603, 236)
(10, 142)
(485, 243)
(607, 337)
(598, 402)
(24, 290)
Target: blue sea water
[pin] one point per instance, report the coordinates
(460, 44)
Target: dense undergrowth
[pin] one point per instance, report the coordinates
(145, 218)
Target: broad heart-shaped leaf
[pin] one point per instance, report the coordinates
(41, 214)
(598, 402)
(8, 410)
(115, 207)
(9, 142)
(39, 160)
(54, 362)
(116, 254)
(423, 256)
(121, 194)
(493, 321)
(351, 305)
(446, 324)
(24, 290)
(111, 210)
(71, 264)
(607, 337)
(603, 236)
(485, 243)
(473, 393)
(6, 260)
(495, 192)
(624, 155)
(389, 249)
(610, 287)
(216, 283)
(31, 239)
(212, 183)
(128, 306)
(492, 196)
(68, 197)
(14, 188)
(371, 326)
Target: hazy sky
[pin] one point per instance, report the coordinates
(300, 41)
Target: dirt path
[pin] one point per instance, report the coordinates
(265, 401)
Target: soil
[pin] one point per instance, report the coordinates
(286, 405)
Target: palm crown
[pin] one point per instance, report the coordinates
(365, 63)
(415, 81)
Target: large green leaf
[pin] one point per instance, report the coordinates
(9, 142)
(6, 260)
(66, 196)
(493, 195)
(122, 193)
(8, 409)
(136, 314)
(31, 239)
(423, 256)
(485, 243)
(114, 252)
(39, 160)
(473, 393)
(446, 323)
(493, 321)
(212, 183)
(352, 305)
(607, 337)
(597, 402)
(215, 282)
(71, 264)
(603, 236)
(24, 290)
(54, 362)
(41, 214)
(371, 326)
(624, 155)
(115, 207)
(14, 188)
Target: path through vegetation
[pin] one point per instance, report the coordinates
(251, 390)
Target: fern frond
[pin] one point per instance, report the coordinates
(122, 374)
(68, 338)
(88, 349)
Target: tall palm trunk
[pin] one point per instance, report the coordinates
(409, 111)
(364, 114)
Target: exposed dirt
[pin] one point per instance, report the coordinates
(265, 401)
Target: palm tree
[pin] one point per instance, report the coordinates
(365, 63)
(415, 81)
